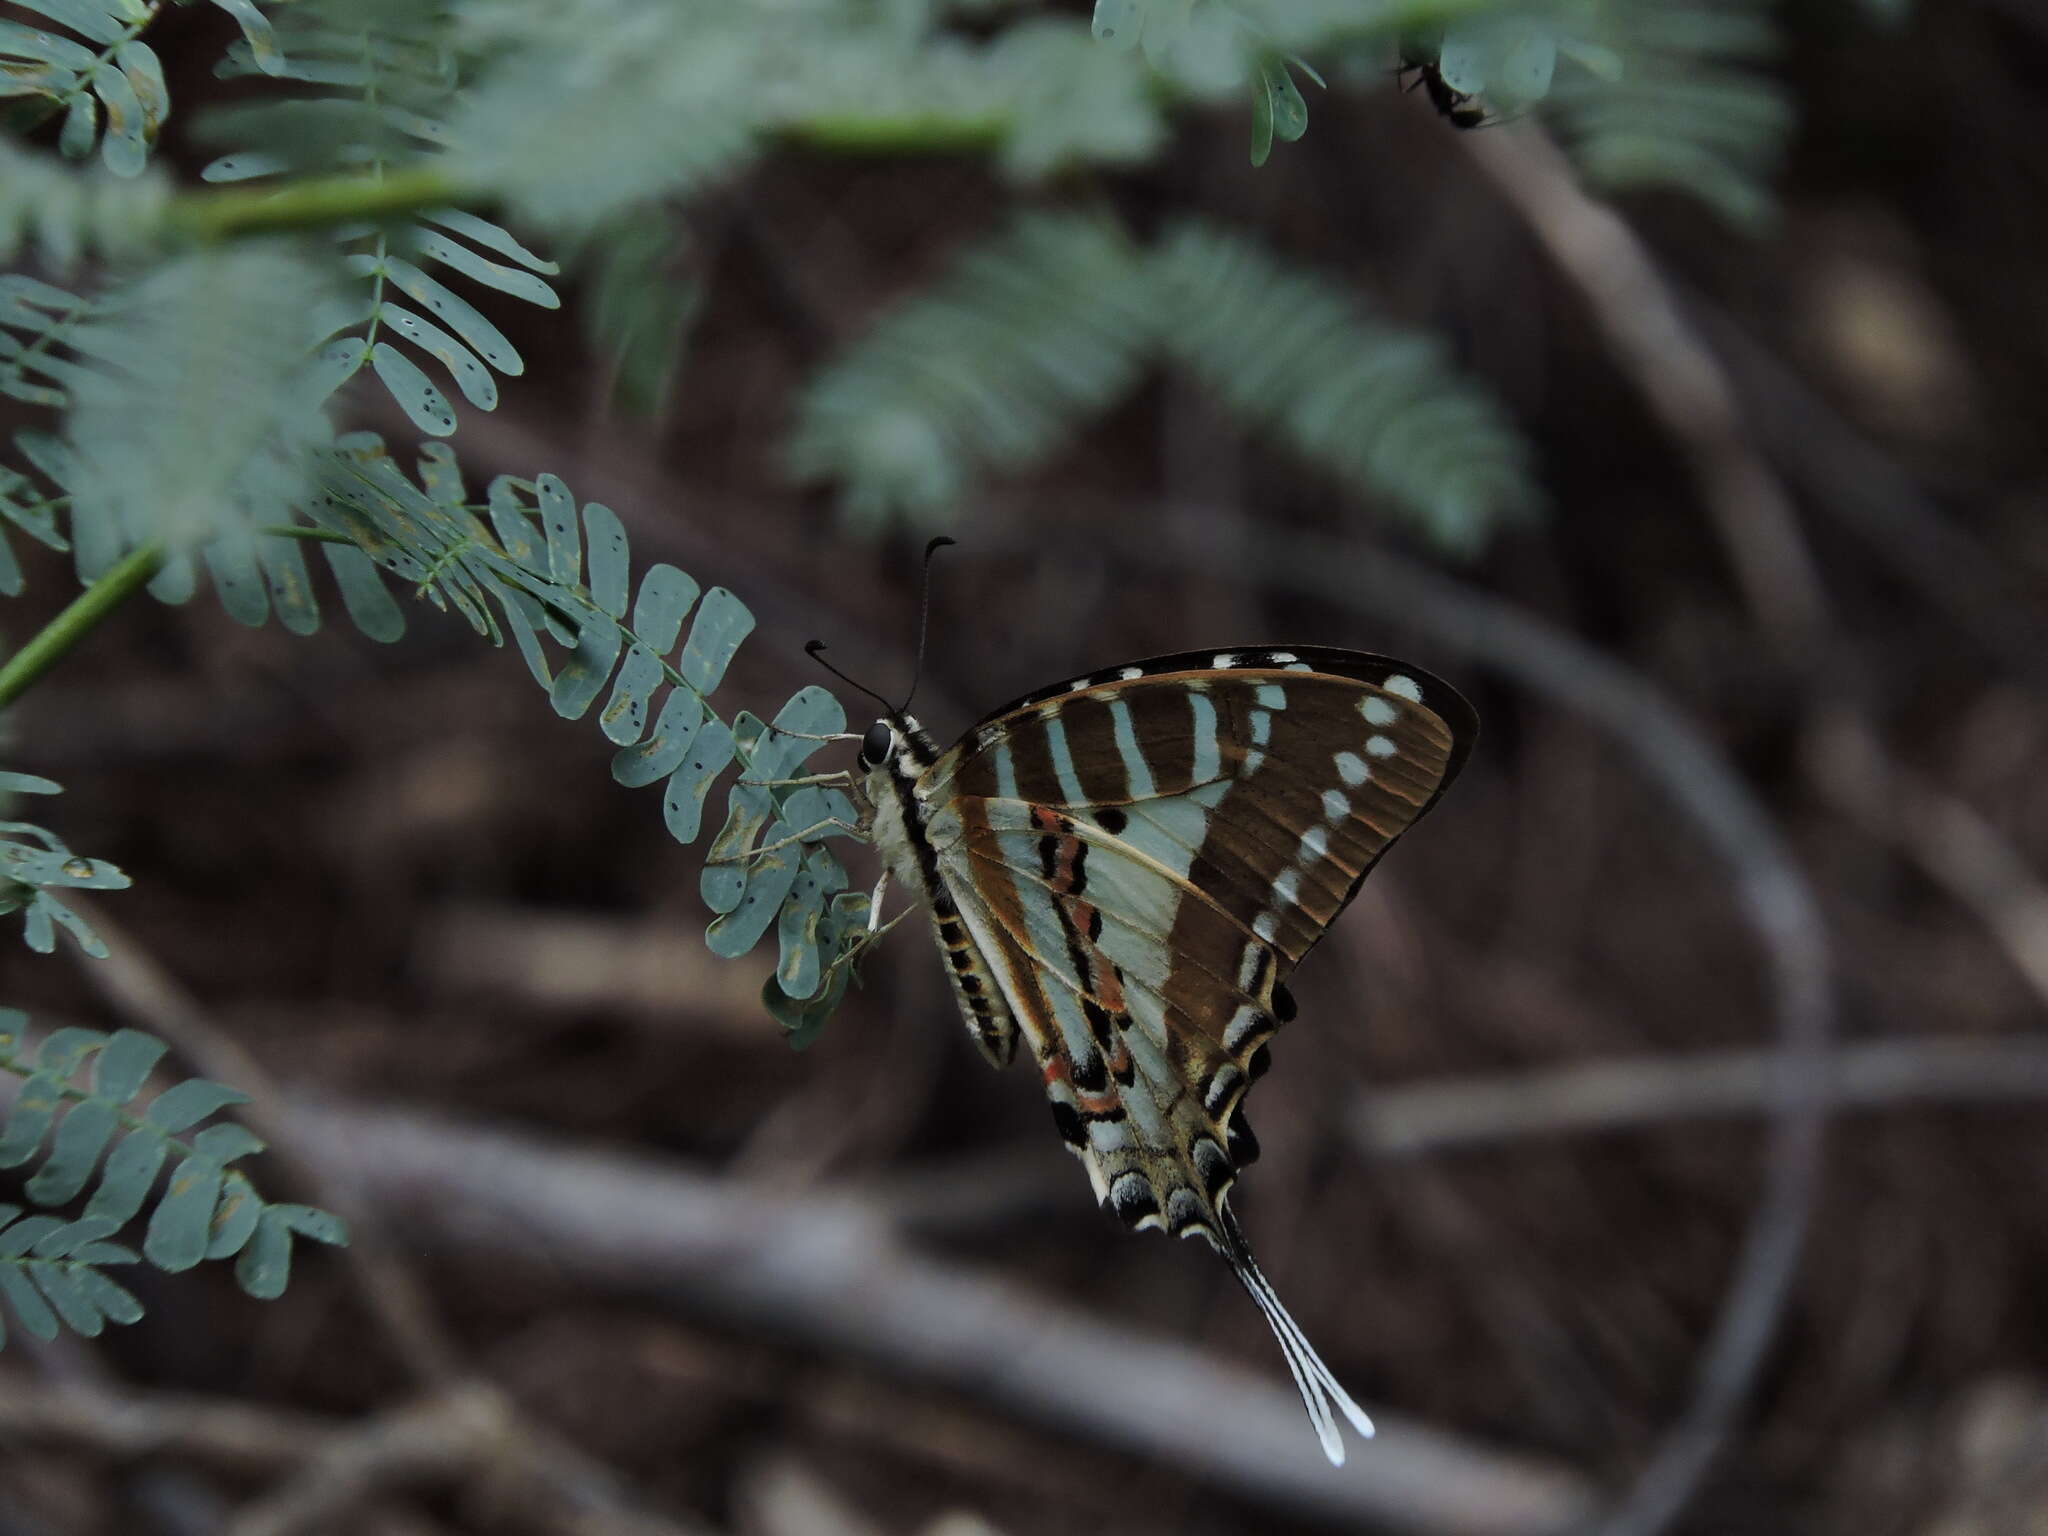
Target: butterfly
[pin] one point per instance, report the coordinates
(1121, 872)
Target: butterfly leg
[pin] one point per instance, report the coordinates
(842, 778)
(808, 834)
(874, 933)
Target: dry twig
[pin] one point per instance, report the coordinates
(830, 1276)
(1620, 1095)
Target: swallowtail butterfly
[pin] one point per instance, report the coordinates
(1121, 872)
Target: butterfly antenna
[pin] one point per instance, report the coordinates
(815, 649)
(924, 616)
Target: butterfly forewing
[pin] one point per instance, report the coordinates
(1135, 861)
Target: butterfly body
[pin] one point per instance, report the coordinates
(1122, 870)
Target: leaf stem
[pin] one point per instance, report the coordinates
(901, 133)
(317, 201)
(55, 639)
(301, 531)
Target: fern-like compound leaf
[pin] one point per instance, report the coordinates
(88, 62)
(1379, 408)
(1046, 326)
(50, 1271)
(186, 379)
(556, 576)
(995, 368)
(93, 1140)
(1686, 102)
(385, 78)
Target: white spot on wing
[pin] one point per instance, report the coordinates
(1336, 804)
(1353, 770)
(1378, 711)
(1242, 1026)
(1265, 925)
(1248, 967)
(1282, 658)
(1405, 686)
(1208, 753)
(1380, 746)
(1262, 727)
(1288, 886)
(1270, 696)
(1315, 843)
(1130, 672)
(1224, 659)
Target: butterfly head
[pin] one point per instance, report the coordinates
(879, 745)
(897, 743)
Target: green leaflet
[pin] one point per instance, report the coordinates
(682, 806)
(35, 864)
(666, 596)
(723, 621)
(735, 877)
(802, 1019)
(1278, 111)
(662, 752)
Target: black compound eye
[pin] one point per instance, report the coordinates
(878, 744)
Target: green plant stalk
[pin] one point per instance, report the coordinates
(905, 133)
(312, 535)
(310, 204)
(55, 639)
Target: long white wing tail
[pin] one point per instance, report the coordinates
(1320, 1390)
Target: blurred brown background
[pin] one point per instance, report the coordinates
(419, 902)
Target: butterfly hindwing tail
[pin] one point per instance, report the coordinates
(1320, 1390)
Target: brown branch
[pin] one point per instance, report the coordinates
(1679, 377)
(1939, 833)
(1620, 1095)
(332, 1466)
(1851, 480)
(133, 1424)
(829, 1275)
(420, 1444)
